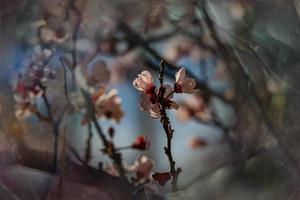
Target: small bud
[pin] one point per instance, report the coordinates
(141, 143)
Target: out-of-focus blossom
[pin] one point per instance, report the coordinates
(196, 142)
(142, 168)
(144, 83)
(25, 98)
(23, 109)
(48, 34)
(184, 84)
(194, 106)
(141, 143)
(109, 106)
(176, 48)
(98, 74)
(162, 177)
(105, 105)
(32, 83)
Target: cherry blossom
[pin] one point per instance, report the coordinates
(152, 100)
(195, 106)
(184, 84)
(149, 102)
(144, 83)
(109, 106)
(106, 105)
(142, 168)
(32, 84)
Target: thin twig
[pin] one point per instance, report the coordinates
(109, 147)
(164, 119)
(66, 91)
(76, 154)
(55, 126)
(87, 156)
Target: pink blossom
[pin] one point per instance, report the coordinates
(149, 103)
(142, 168)
(184, 84)
(195, 106)
(144, 82)
(109, 106)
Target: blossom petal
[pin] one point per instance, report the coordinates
(180, 75)
(145, 103)
(147, 77)
(188, 85)
(155, 112)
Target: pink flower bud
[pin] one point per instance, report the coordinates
(141, 143)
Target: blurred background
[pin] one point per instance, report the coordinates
(236, 138)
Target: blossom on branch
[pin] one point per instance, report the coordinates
(33, 83)
(184, 84)
(141, 168)
(153, 99)
(144, 83)
(141, 143)
(109, 106)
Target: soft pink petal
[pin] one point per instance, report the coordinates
(147, 77)
(143, 81)
(145, 103)
(180, 75)
(154, 112)
(188, 85)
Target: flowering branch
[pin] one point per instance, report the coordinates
(109, 148)
(156, 102)
(164, 119)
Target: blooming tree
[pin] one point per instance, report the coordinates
(215, 77)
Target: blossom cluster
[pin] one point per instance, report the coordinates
(32, 83)
(106, 104)
(150, 95)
